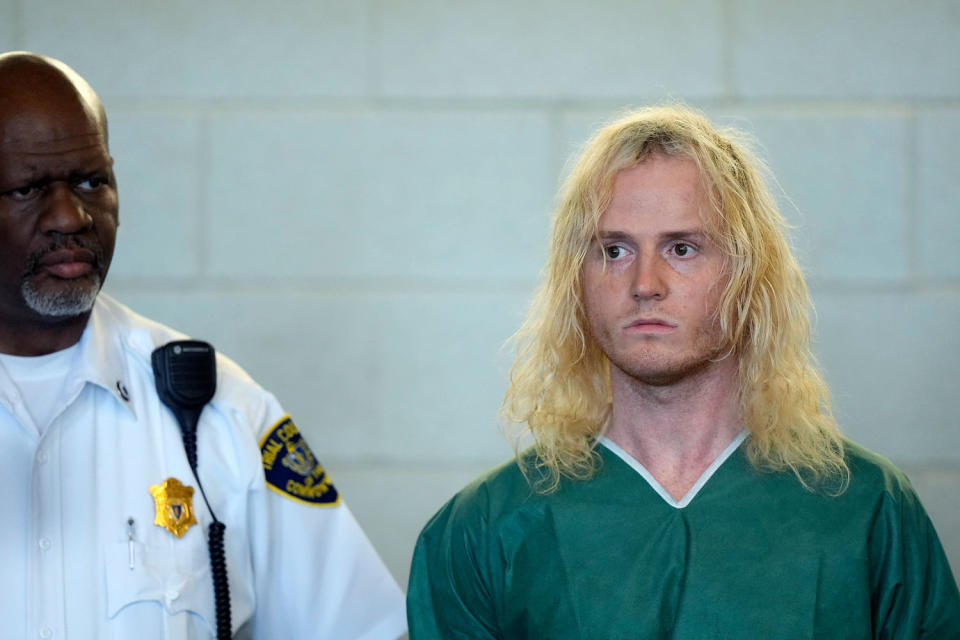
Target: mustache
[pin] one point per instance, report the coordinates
(61, 241)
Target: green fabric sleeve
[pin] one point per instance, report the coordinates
(914, 591)
(449, 597)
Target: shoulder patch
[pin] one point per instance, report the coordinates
(291, 468)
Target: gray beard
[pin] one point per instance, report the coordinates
(72, 301)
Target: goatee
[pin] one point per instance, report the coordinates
(69, 297)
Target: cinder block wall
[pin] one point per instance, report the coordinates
(351, 197)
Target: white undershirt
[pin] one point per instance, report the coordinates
(656, 486)
(39, 380)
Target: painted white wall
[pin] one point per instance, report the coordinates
(351, 197)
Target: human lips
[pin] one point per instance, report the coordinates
(650, 325)
(68, 263)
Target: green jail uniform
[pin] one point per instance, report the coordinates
(752, 555)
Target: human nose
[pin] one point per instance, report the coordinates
(648, 278)
(64, 211)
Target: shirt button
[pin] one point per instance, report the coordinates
(42, 456)
(44, 544)
(46, 632)
(172, 595)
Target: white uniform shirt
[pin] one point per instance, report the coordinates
(296, 570)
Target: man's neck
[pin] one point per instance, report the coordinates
(676, 431)
(37, 339)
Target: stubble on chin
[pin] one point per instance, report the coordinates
(660, 365)
(657, 371)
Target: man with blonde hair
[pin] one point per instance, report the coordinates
(688, 479)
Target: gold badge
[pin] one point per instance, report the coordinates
(174, 506)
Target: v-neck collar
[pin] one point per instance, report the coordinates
(656, 486)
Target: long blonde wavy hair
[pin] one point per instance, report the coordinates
(560, 382)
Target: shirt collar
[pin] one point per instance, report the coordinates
(99, 360)
(101, 357)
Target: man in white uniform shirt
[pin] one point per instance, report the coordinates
(106, 534)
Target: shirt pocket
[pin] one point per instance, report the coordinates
(175, 575)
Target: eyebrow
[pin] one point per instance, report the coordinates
(35, 173)
(611, 235)
(680, 234)
(692, 234)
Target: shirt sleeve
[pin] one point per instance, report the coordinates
(914, 592)
(451, 594)
(316, 574)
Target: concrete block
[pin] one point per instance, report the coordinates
(938, 490)
(445, 373)
(893, 361)
(180, 48)
(576, 128)
(157, 163)
(843, 187)
(545, 49)
(393, 502)
(389, 375)
(429, 195)
(8, 26)
(864, 48)
(938, 196)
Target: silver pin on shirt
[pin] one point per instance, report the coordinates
(130, 532)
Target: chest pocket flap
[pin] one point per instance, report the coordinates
(177, 576)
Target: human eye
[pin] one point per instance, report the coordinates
(614, 252)
(23, 193)
(91, 183)
(682, 249)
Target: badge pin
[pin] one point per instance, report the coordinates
(174, 502)
(130, 532)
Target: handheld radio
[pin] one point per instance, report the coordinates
(186, 376)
